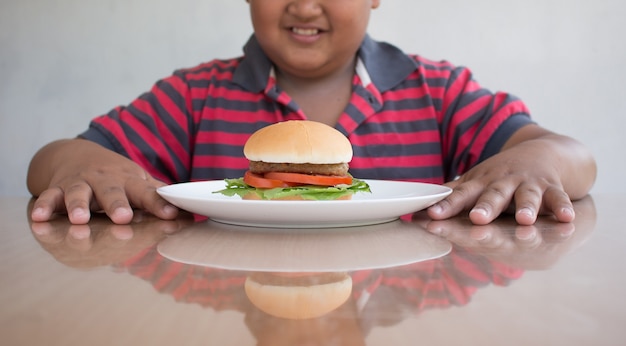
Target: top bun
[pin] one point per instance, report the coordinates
(298, 141)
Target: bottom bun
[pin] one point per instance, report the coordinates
(299, 301)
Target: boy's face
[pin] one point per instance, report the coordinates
(310, 38)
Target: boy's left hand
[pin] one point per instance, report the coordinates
(537, 172)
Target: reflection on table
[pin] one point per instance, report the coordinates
(396, 271)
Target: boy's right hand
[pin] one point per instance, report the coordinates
(79, 176)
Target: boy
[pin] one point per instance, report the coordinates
(408, 119)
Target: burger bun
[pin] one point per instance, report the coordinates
(300, 142)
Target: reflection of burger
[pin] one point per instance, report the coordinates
(296, 159)
(298, 295)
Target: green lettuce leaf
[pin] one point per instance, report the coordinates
(310, 192)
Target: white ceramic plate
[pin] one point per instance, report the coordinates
(385, 245)
(388, 201)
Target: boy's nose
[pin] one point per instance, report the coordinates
(304, 8)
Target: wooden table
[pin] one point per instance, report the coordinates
(431, 283)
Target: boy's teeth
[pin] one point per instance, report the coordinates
(307, 32)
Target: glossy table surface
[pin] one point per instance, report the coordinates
(412, 282)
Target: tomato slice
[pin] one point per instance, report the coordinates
(311, 179)
(259, 181)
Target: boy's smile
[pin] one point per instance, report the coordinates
(305, 34)
(310, 38)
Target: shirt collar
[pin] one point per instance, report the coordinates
(385, 65)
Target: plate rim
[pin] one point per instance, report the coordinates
(224, 203)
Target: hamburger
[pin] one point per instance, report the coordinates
(296, 160)
(298, 296)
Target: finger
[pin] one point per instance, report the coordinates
(462, 197)
(48, 202)
(113, 199)
(143, 195)
(493, 201)
(77, 200)
(528, 200)
(558, 202)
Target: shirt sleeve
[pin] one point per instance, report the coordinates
(503, 133)
(475, 122)
(154, 130)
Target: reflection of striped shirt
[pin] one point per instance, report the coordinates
(392, 294)
(408, 119)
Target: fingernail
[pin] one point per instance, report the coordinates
(38, 213)
(436, 208)
(568, 211)
(78, 213)
(169, 209)
(480, 211)
(526, 211)
(122, 212)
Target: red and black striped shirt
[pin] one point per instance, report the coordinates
(409, 118)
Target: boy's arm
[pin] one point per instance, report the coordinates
(536, 171)
(77, 176)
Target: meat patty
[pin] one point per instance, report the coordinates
(260, 167)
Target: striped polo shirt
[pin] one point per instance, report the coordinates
(409, 118)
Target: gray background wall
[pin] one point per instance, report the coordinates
(63, 62)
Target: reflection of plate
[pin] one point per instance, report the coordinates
(388, 201)
(218, 245)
